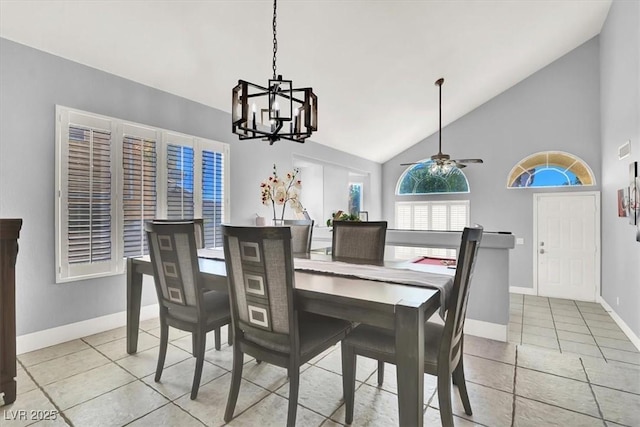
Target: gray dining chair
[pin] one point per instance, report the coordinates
(359, 241)
(198, 224)
(184, 303)
(266, 322)
(443, 350)
(301, 234)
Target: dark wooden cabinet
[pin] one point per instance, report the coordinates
(9, 233)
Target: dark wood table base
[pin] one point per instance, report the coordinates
(9, 233)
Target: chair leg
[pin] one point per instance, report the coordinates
(201, 341)
(217, 338)
(444, 397)
(229, 335)
(234, 388)
(348, 380)
(459, 380)
(380, 372)
(294, 386)
(162, 352)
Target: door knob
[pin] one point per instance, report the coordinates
(541, 251)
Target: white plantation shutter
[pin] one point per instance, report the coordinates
(85, 206)
(213, 203)
(403, 216)
(112, 176)
(440, 215)
(421, 217)
(180, 182)
(139, 197)
(89, 195)
(458, 216)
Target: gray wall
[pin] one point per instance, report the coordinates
(556, 108)
(620, 115)
(31, 84)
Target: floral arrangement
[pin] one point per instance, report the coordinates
(341, 216)
(279, 191)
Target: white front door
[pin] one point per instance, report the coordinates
(566, 233)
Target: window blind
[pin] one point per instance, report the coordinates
(139, 192)
(180, 190)
(212, 197)
(89, 195)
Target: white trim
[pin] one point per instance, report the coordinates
(523, 291)
(72, 331)
(596, 194)
(625, 328)
(492, 331)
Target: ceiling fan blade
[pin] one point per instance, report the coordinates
(409, 164)
(469, 161)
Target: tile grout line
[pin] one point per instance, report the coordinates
(555, 329)
(593, 393)
(590, 332)
(60, 412)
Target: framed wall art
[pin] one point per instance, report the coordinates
(623, 202)
(634, 194)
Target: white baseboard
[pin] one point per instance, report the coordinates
(72, 331)
(492, 331)
(524, 291)
(625, 328)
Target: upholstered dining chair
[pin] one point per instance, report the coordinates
(359, 241)
(198, 227)
(443, 351)
(184, 303)
(266, 322)
(301, 233)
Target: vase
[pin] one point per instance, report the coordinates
(278, 222)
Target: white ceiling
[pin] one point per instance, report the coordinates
(372, 64)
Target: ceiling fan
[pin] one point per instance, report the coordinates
(441, 159)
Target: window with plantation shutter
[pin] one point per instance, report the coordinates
(139, 197)
(85, 210)
(432, 215)
(112, 176)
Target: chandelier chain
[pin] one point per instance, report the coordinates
(275, 40)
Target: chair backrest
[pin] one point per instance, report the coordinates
(301, 233)
(260, 273)
(174, 258)
(359, 241)
(198, 224)
(450, 346)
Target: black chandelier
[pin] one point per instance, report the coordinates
(275, 112)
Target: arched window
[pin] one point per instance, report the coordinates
(550, 169)
(424, 178)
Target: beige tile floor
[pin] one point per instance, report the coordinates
(567, 364)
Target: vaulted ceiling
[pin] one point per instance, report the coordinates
(372, 64)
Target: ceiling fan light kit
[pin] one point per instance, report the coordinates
(443, 163)
(275, 112)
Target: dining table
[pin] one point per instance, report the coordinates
(401, 308)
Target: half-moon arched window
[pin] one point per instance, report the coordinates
(425, 178)
(550, 169)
